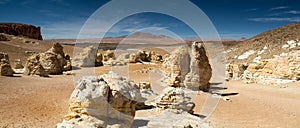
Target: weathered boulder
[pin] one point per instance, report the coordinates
(3, 38)
(34, 67)
(21, 30)
(99, 57)
(109, 55)
(5, 68)
(86, 58)
(18, 64)
(133, 58)
(176, 66)
(175, 98)
(18, 67)
(52, 63)
(200, 69)
(107, 101)
(235, 71)
(155, 58)
(54, 60)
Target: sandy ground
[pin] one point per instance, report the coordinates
(28, 101)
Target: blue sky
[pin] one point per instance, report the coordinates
(232, 18)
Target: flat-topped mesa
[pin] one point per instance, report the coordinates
(5, 68)
(200, 69)
(106, 101)
(176, 66)
(17, 29)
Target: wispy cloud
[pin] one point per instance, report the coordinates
(272, 19)
(4, 1)
(278, 8)
(294, 12)
(251, 9)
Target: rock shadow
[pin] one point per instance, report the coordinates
(139, 123)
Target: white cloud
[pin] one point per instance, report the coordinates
(293, 12)
(278, 8)
(291, 19)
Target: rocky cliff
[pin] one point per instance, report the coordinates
(17, 29)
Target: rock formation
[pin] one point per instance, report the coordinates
(235, 71)
(200, 69)
(5, 68)
(54, 60)
(281, 69)
(108, 56)
(17, 29)
(3, 38)
(18, 64)
(156, 58)
(86, 58)
(34, 67)
(108, 101)
(176, 66)
(18, 67)
(175, 98)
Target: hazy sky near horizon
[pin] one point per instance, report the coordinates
(233, 19)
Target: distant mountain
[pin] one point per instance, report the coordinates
(271, 42)
(135, 38)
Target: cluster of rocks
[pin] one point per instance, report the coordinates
(90, 57)
(5, 68)
(53, 61)
(183, 69)
(144, 56)
(107, 101)
(280, 69)
(111, 100)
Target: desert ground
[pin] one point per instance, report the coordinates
(32, 101)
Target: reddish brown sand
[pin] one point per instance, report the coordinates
(28, 101)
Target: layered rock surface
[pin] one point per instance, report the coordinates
(106, 101)
(281, 69)
(175, 98)
(21, 30)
